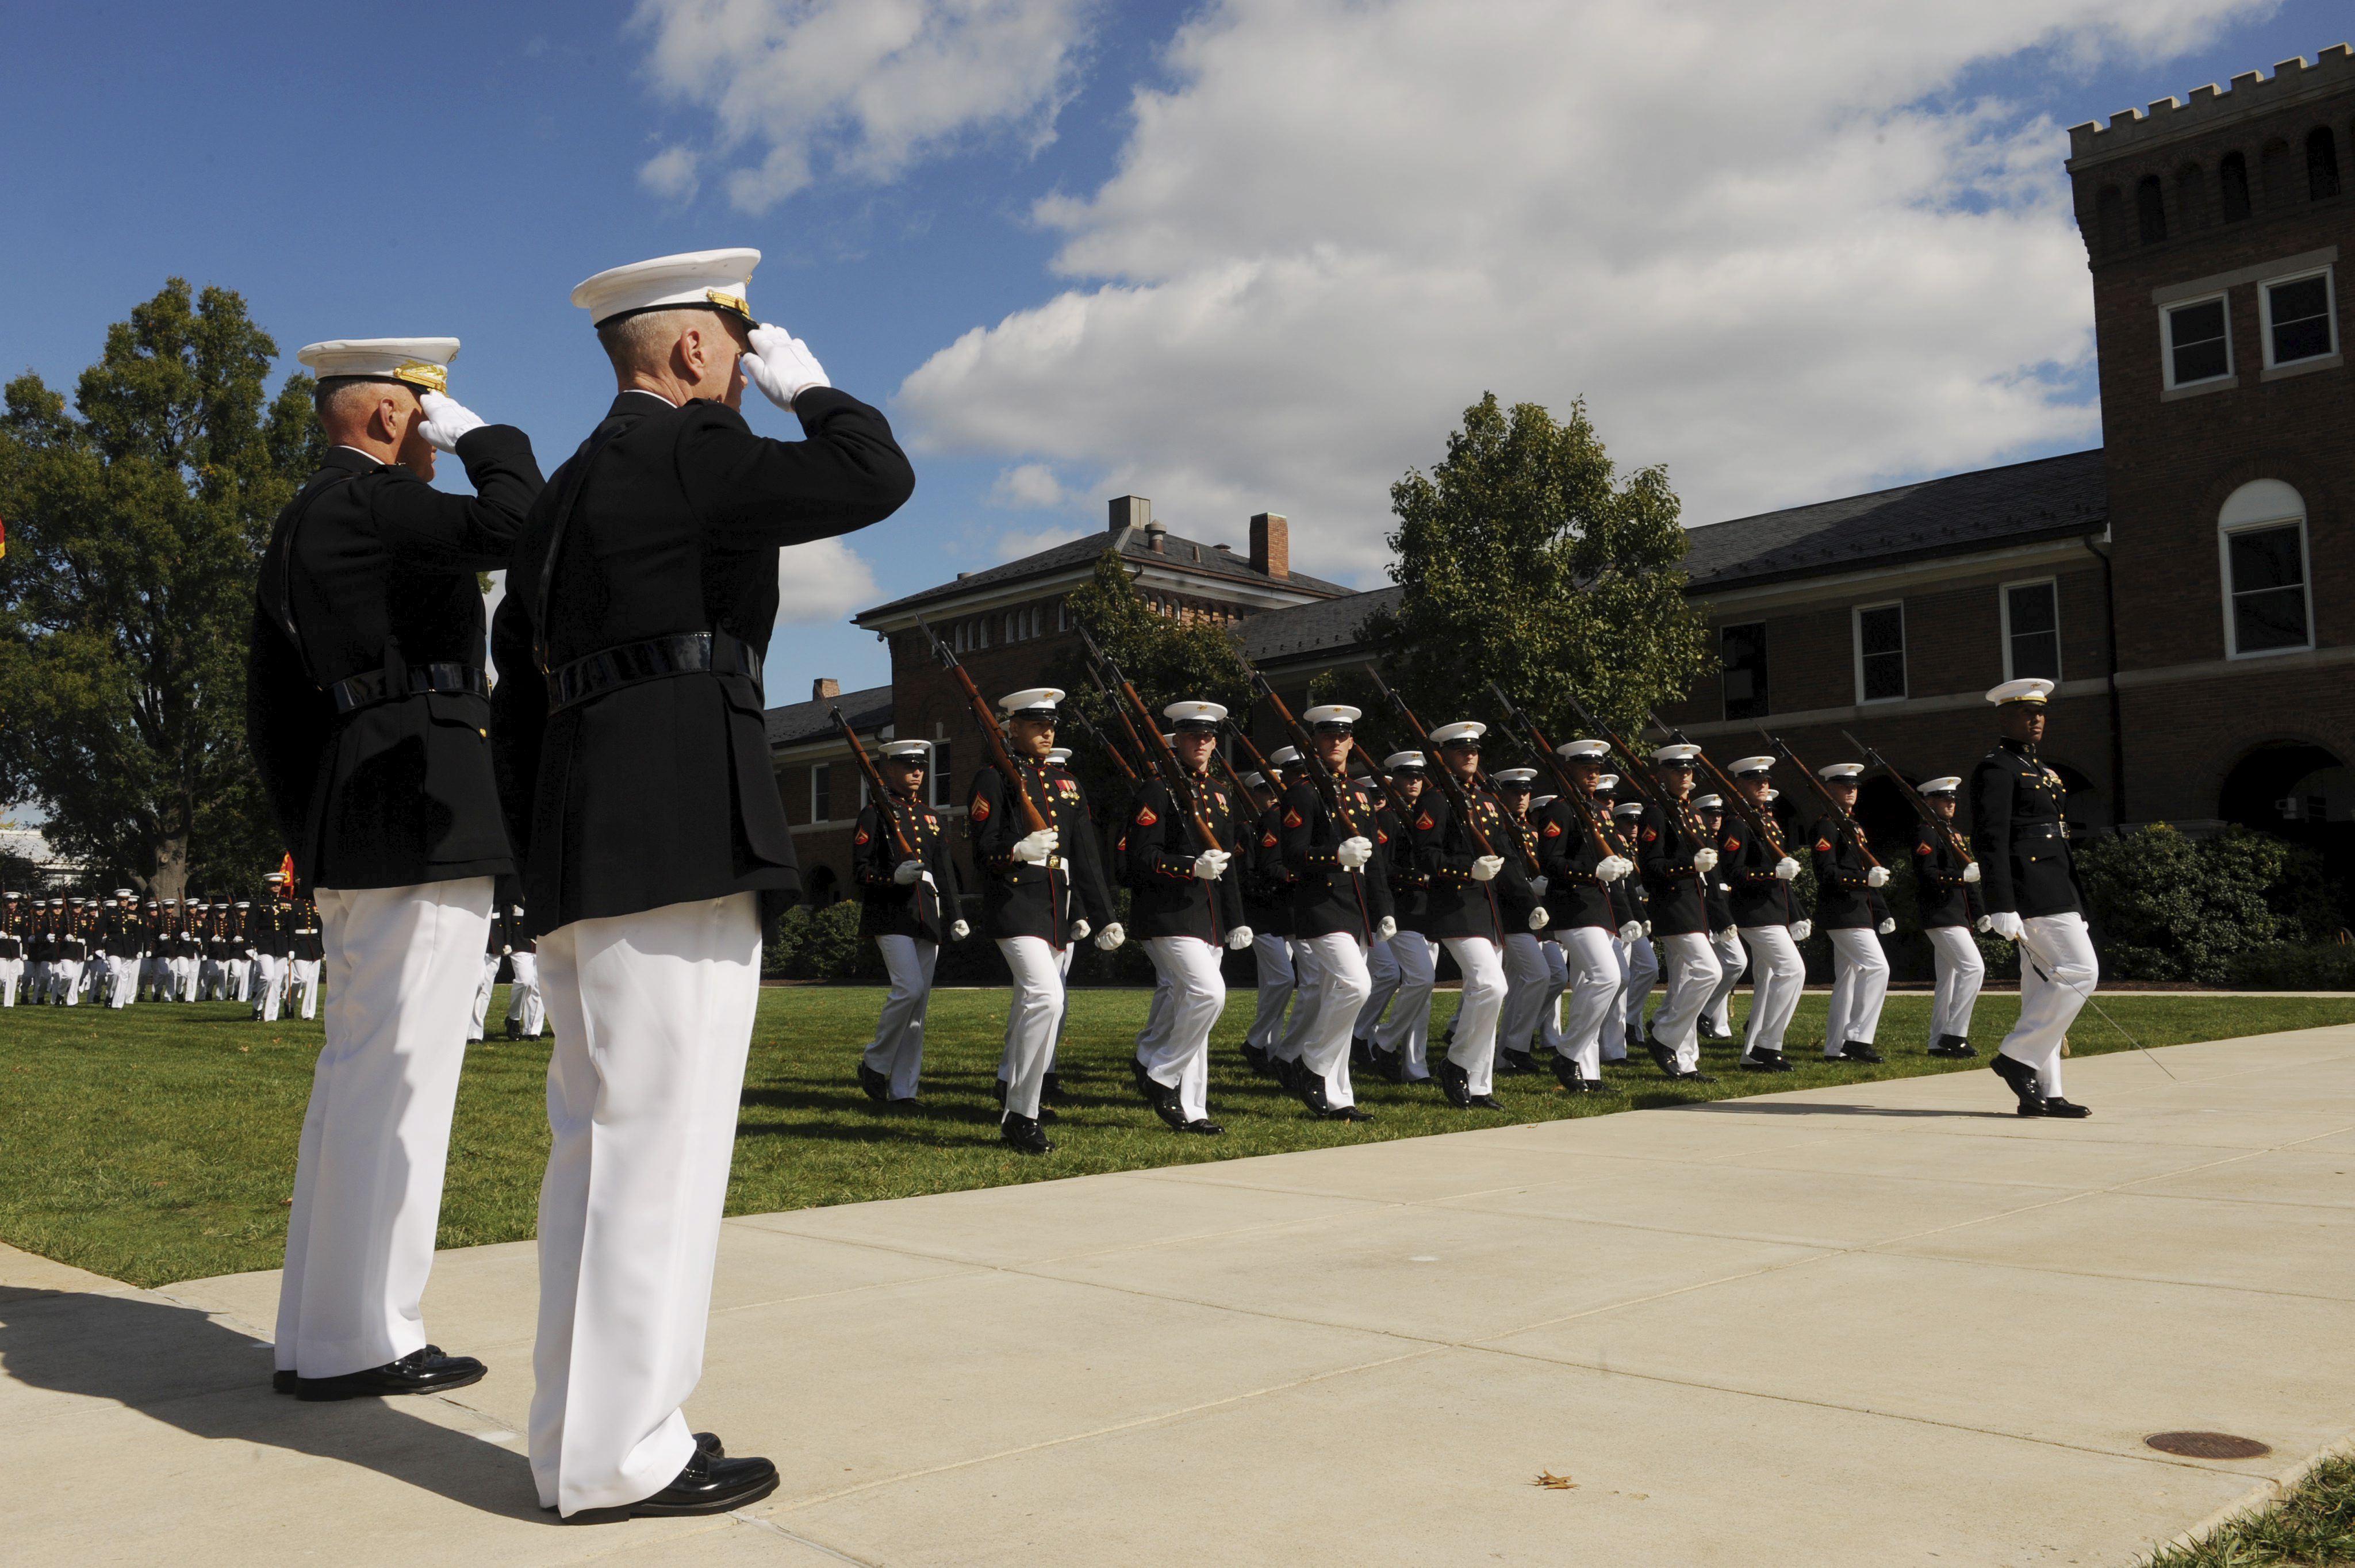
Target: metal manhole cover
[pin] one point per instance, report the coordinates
(2207, 1446)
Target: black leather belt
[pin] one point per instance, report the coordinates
(382, 686)
(657, 659)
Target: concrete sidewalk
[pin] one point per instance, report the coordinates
(1872, 1325)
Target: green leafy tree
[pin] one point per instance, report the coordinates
(1525, 559)
(135, 523)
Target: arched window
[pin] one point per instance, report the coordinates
(2110, 220)
(2272, 175)
(2191, 197)
(2321, 164)
(2233, 181)
(2261, 551)
(2150, 209)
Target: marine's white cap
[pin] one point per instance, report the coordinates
(1031, 703)
(2033, 689)
(1583, 750)
(1629, 808)
(1195, 715)
(1462, 730)
(914, 751)
(124, 893)
(716, 280)
(1058, 756)
(1336, 713)
(1773, 794)
(1397, 760)
(1947, 785)
(1541, 800)
(422, 362)
(1709, 803)
(1606, 782)
(1285, 757)
(1752, 767)
(1520, 778)
(1255, 780)
(1840, 772)
(1677, 752)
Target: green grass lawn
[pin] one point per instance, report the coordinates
(158, 1144)
(2313, 1527)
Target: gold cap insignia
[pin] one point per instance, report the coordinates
(736, 302)
(419, 373)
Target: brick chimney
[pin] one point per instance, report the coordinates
(1129, 511)
(1270, 545)
(1156, 537)
(824, 686)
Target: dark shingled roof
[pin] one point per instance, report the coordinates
(796, 722)
(1180, 552)
(2051, 498)
(1297, 631)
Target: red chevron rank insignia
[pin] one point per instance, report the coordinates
(1292, 819)
(1823, 846)
(1922, 850)
(1553, 829)
(1267, 841)
(1422, 823)
(1649, 835)
(1145, 818)
(980, 809)
(862, 837)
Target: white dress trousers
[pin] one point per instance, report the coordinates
(64, 980)
(897, 1051)
(12, 971)
(1383, 968)
(1612, 1034)
(122, 981)
(1032, 1016)
(1332, 988)
(1557, 982)
(1642, 974)
(1778, 976)
(1527, 977)
(1592, 954)
(1406, 1032)
(1717, 1015)
(1479, 1008)
(1273, 953)
(1859, 985)
(306, 980)
(1692, 971)
(490, 979)
(1287, 1043)
(266, 981)
(368, 1179)
(527, 1008)
(1961, 971)
(2058, 971)
(654, 1017)
(1176, 1051)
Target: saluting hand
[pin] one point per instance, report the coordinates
(782, 366)
(446, 419)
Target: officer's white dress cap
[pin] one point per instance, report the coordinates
(420, 361)
(1285, 757)
(1541, 800)
(1679, 751)
(1332, 713)
(1058, 754)
(1184, 713)
(1462, 730)
(714, 280)
(1709, 803)
(1583, 750)
(1752, 767)
(124, 893)
(1035, 700)
(1947, 785)
(1840, 772)
(1397, 760)
(906, 751)
(1773, 794)
(1627, 808)
(1255, 780)
(1606, 782)
(1522, 777)
(2031, 689)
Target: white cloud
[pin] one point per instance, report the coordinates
(1017, 543)
(670, 173)
(1732, 226)
(864, 86)
(1028, 485)
(823, 580)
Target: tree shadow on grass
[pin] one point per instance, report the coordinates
(175, 1365)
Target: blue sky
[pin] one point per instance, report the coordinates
(1172, 325)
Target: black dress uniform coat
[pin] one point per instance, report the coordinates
(1665, 846)
(1267, 887)
(1017, 898)
(12, 932)
(1944, 897)
(1747, 860)
(888, 907)
(368, 589)
(1517, 898)
(2019, 836)
(1409, 883)
(646, 781)
(1567, 857)
(1327, 899)
(1842, 878)
(1444, 848)
(309, 944)
(1158, 849)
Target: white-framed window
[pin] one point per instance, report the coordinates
(941, 789)
(821, 791)
(2300, 317)
(1879, 652)
(2196, 338)
(2261, 553)
(2032, 630)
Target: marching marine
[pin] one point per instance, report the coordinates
(1400, 1044)
(1946, 888)
(1340, 902)
(1528, 977)
(908, 902)
(1846, 878)
(1581, 865)
(1467, 910)
(1676, 857)
(1759, 869)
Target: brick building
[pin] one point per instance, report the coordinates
(2190, 585)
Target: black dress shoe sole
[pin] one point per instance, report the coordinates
(366, 1385)
(725, 1502)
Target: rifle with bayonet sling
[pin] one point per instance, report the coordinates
(1636, 772)
(1567, 786)
(1000, 756)
(883, 796)
(1840, 812)
(1441, 774)
(1333, 790)
(1161, 755)
(1921, 808)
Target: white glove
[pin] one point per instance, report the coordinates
(1971, 872)
(1802, 929)
(446, 419)
(1647, 929)
(1353, 853)
(1611, 868)
(1538, 886)
(2006, 924)
(1035, 847)
(1210, 865)
(1704, 860)
(1887, 928)
(907, 871)
(1110, 937)
(1630, 932)
(1985, 923)
(1240, 938)
(504, 951)
(1539, 919)
(959, 931)
(1877, 877)
(782, 366)
(1787, 868)
(1485, 868)
(1385, 928)
(1080, 929)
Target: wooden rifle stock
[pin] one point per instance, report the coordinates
(1000, 756)
(883, 796)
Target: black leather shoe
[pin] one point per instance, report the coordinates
(878, 1087)
(707, 1443)
(1858, 1050)
(1391, 1065)
(1516, 1063)
(1566, 1073)
(283, 1381)
(1021, 1135)
(515, 1028)
(1257, 1060)
(1344, 1113)
(1696, 1076)
(1767, 1061)
(1485, 1102)
(1454, 1082)
(1311, 1091)
(419, 1371)
(709, 1484)
(906, 1106)
(1203, 1128)
(1951, 1045)
(1046, 1113)
(1052, 1092)
(2020, 1079)
(1662, 1057)
(2056, 1106)
(1159, 1097)
(1361, 1052)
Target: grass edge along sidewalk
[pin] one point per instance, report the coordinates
(2306, 1521)
(158, 1144)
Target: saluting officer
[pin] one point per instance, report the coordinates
(1581, 865)
(1527, 976)
(1027, 891)
(1467, 909)
(1676, 857)
(636, 771)
(1759, 869)
(2019, 836)
(1947, 882)
(1845, 914)
(1185, 904)
(367, 710)
(1340, 902)
(1400, 1045)
(1267, 910)
(908, 903)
